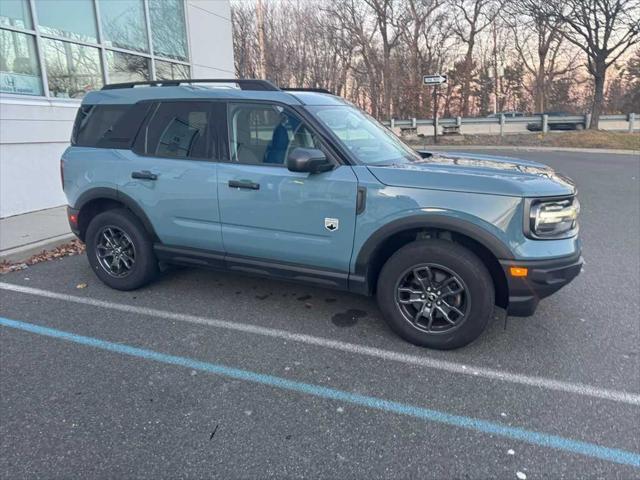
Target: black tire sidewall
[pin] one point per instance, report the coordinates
(145, 267)
(456, 258)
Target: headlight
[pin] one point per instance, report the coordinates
(557, 218)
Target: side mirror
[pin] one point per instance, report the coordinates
(308, 160)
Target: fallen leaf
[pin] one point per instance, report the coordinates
(81, 285)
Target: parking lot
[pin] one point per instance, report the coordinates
(206, 374)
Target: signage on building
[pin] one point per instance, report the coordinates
(20, 83)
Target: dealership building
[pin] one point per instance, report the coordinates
(54, 51)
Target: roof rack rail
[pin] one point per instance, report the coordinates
(302, 89)
(244, 84)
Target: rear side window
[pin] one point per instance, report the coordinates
(108, 126)
(177, 130)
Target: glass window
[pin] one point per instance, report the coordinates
(179, 130)
(15, 13)
(171, 71)
(93, 123)
(367, 139)
(107, 126)
(168, 28)
(74, 19)
(265, 134)
(19, 70)
(124, 67)
(123, 24)
(72, 70)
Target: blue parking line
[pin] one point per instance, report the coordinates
(493, 428)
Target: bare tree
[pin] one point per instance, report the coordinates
(374, 52)
(420, 37)
(537, 40)
(473, 17)
(604, 30)
(385, 18)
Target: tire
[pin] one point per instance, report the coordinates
(403, 279)
(139, 249)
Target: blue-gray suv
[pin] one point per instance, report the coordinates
(301, 185)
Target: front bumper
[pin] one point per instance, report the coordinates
(544, 278)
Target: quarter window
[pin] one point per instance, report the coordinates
(95, 122)
(265, 134)
(178, 130)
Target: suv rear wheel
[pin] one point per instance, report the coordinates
(120, 250)
(436, 294)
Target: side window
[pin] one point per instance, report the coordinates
(94, 123)
(178, 130)
(265, 134)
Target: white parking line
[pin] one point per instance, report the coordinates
(421, 361)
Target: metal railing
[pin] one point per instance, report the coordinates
(505, 124)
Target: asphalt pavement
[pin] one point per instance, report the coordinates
(214, 375)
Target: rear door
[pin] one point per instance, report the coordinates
(172, 172)
(270, 213)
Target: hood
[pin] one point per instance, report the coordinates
(466, 172)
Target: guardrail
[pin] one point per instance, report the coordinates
(501, 124)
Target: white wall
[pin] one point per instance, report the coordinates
(210, 38)
(33, 135)
(34, 131)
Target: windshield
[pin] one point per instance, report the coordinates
(367, 139)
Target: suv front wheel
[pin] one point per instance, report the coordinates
(436, 294)
(120, 250)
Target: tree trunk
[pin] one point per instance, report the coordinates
(599, 77)
(466, 83)
(540, 87)
(262, 47)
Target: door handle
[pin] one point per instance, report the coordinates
(244, 184)
(144, 175)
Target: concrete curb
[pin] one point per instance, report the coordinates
(524, 149)
(23, 252)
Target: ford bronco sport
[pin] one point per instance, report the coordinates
(301, 185)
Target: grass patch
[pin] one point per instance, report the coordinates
(574, 139)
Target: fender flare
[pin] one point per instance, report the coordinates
(442, 222)
(107, 193)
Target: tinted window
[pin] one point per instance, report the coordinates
(108, 126)
(94, 122)
(178, 130)
(266, 134)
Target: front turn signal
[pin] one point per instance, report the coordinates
(519, 271)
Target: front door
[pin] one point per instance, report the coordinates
(270, 213)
